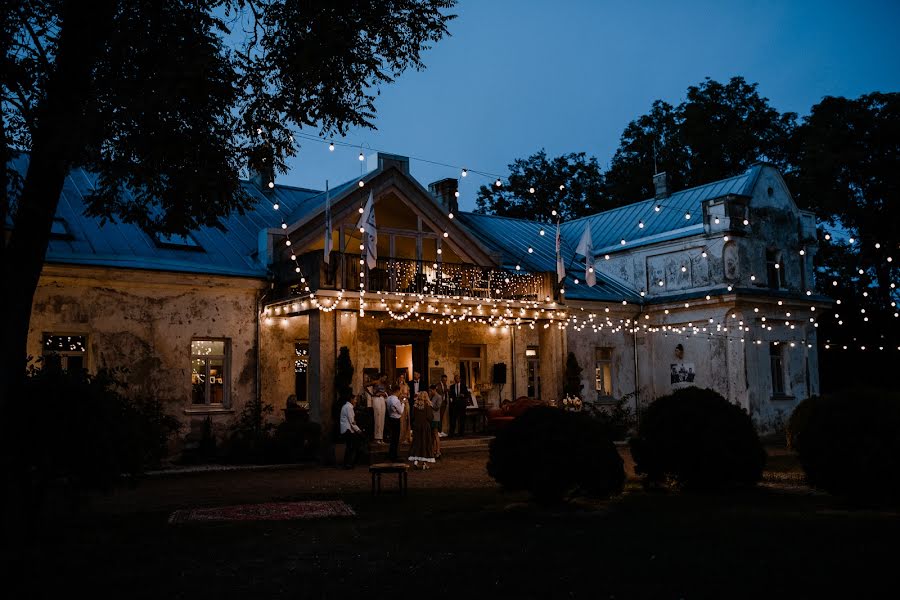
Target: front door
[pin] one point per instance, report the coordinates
(404, 350)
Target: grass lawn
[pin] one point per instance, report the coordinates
(774, 541)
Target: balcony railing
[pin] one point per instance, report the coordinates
(402, 275)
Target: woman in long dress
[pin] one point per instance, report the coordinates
(406, 419)
(422, 450)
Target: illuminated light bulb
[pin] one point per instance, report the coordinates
(746, 222)
(606, 256)
(362, 183)
(683, 269)
(777, 266)
(331, 147)
(661, 283)
(440, 251)
(576, 281)
(834, 283)
(877, 246)
(362, 247)
(802, 252)
(283, 225)
(657, 208)
(498, 183)
(530, 250)
(303, 280)
(753, 278)
(590, 269)
(703, 254)
(851, 240)
(518, 267)
(687, 216)
(276, 206)
(287, 242)
(827, 236)
(465, 172)
(362, 229)
(553, 212)
(640, 224)
(446, 234)
(861, 272)
(542, 231)
(717, 220)
(297, 270)
(809, 293)
(561, 187)
(730, 288)
(293, 257)
(726, 238)
(531, 190)
(890, 259)
(271, 184)
(361, 157)
(622, 241)
(449, 215)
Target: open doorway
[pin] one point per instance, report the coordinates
(404, 351)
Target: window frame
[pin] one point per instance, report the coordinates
(599, 362)
(64, 355)
(777, 370)
(533, 371)
(226, 376)
(473, 387)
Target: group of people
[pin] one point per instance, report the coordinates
(409, 413)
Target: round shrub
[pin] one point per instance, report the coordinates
(698, 439)
(849, 443)
(551, 453)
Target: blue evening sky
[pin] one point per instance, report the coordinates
(516, 76)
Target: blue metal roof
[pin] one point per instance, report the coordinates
(512, 237)
(231, 251)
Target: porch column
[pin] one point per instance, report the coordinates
(552, 353)
(322, 354)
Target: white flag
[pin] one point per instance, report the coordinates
(370, 235)
(586, 249)
(560, 267)
(329, 242)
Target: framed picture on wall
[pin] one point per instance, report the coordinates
(434, 375)
(681, 374)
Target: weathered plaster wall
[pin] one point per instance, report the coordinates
(145, 321)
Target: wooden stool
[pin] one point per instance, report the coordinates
(402, 469)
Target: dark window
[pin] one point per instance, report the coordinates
(71, 350)
(774, 269)
(776, 362)
(301, 371)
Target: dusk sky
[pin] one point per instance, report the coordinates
(516, 76)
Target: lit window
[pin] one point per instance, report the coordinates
(470, 366)
(603, 372)
(534, 372)
(71, 350)
(209, 372)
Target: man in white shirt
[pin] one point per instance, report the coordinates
(351, 433)
(395, 413)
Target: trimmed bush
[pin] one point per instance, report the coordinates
(551, 453)
(699, 440)
(849, 443)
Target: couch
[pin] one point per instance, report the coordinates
(498, 418)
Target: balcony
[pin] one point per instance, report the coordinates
(409, 276)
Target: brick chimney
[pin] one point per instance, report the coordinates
(444, 192)
(383, 160)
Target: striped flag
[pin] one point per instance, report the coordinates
(586, 249)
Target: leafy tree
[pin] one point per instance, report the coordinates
(171, 99)
(848, 172)
(649, 143)
(571, 184)
(716, 132)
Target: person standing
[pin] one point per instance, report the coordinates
(406, 421)
(444, 390)
(459, 395)
(437, 405)
(395, 415)
(423, 414)
(350, 432)
(415, 386)
(377, 402)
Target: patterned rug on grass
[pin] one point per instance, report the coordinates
(270, 511)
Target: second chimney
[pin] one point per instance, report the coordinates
(444, 192)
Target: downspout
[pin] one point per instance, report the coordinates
(637, 386)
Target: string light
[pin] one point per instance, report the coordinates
(331, 146)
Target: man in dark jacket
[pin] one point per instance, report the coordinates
(459, 395)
